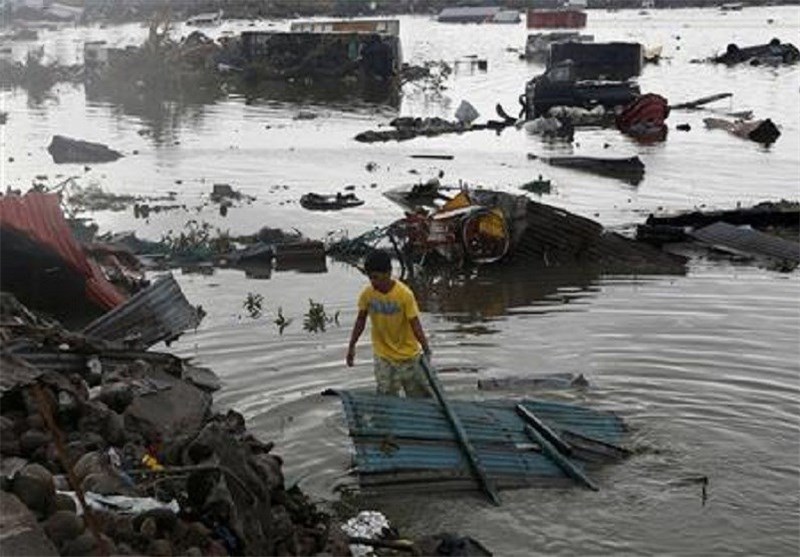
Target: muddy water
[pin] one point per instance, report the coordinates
(704, 367)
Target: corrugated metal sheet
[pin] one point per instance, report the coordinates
(409, 441)
(48, 359)
(38, 216)
(743, 239)
(159, 312)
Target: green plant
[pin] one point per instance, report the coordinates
(253, 304)
(281, 321)
(317, 319)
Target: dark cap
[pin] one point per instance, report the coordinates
(378, 261)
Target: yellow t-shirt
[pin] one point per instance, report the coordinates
(389, 315)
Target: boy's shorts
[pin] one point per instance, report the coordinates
(408, 375)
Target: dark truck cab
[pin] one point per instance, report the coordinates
(559, 86)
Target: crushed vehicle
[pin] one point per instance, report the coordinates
(771, 54)
(559, 85)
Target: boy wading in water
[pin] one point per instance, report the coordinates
(398, 341)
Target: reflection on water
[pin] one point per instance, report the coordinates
(491, 291)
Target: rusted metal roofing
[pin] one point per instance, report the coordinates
(747, 240)
(408, 443)
(39, 217)
(159, 312)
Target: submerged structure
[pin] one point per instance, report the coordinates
(325, 49)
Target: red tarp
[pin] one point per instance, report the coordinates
(39, 217)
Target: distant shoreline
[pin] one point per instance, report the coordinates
(88, 11)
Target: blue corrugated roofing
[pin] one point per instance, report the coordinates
(409, 440)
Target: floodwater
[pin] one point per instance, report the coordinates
(703, 367)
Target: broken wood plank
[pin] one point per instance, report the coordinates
(701, 101)
(559, 459)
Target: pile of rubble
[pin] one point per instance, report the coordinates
(109, 447)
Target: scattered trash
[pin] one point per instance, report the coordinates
(330, 202)
(539, 186)
(436, 157)
(760, 131)
(629, 169)
(743, 239)
(553, 381)
(66, 150)
(466, 113)
(701, 101)
(644, 118)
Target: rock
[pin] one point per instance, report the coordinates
(9, 441)
(282, 527)
(180, 409)
(193, 552)
(34, 487)
(65, 503)
(63, 526)
(32, 440)
(82, 545)
(160, 548)
(90, 463)
(98, 418)
(66, 150)
(117, 396)
(197, 534)
(106, 483)
(20, 534)
(269, 467)
(148, 528)
(163, 519)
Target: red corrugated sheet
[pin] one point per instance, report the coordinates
(39, 216)
(551, 19)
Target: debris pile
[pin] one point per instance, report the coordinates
(481, 227)
(113, 449)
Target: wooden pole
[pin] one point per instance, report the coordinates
(552, 451)
(461, 435)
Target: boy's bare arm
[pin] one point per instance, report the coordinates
(358, 328)
(416, 327)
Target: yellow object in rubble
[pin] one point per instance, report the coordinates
(492, 224)
(459, 201)
(151, 463)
